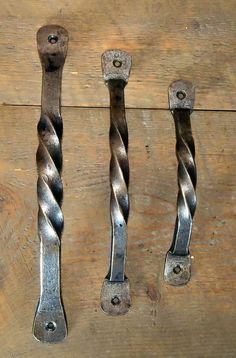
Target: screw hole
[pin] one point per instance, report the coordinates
(52, 39)
(181, 95)
(115, 301)
(177, 269)
(117, 63)
(51, 326)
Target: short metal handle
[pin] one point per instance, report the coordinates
(178, 260)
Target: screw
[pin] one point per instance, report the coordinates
(50, 326)
(181, 95)
(52, 39)
(117, 63)
(177, 269)
(115, 301)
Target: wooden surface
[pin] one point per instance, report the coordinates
(193, 321)
(167, 40)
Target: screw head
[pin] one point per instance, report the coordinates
(52, 39)
(115, 300)
(177, 269)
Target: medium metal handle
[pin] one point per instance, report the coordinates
(115, 294)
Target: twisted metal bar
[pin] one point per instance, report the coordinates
(187, 179)
(50, 322)
(115, 296)
(178, 262)
(119, 180)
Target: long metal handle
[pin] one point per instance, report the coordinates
(178, 260)
(115, 294)
(50, 323)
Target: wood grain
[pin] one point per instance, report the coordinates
(193, 321)
(168, 40)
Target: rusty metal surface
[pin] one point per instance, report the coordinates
(116, 74)
(178, 266)
(181, 95)
(116, 65)
(50, 323)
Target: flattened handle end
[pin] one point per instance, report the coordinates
(181, 95)
(50, 325)
(177, 270)
(52, 42)
(116, 65)
(115, 297)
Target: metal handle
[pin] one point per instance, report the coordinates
(115, 294)
(178, 260)
(50, 323)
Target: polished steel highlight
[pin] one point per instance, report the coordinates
(178, 261)
(50, 322)
(115, 294)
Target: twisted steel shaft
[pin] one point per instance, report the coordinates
(119, 179)
(50, 323)
(187, 179)
(49, 185)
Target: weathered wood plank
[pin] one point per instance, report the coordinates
(197, 320)
(168, 40)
